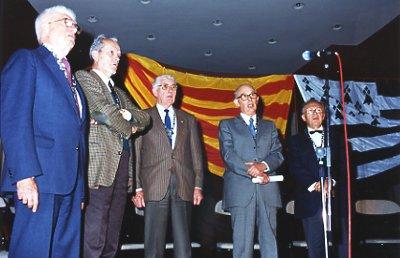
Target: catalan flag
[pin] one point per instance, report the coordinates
(210, 99)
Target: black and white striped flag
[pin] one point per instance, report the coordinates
(373, 118)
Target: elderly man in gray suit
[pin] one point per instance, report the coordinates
(251, 152)
(114, 119)
(169, 172)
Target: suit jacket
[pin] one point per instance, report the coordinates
(106, 137)
(42, 133)
(237, 147)
(303, 165)
(156, 160)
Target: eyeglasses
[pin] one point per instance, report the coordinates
(68, 23)
(166, 87)
(244, 97)
(311, 111)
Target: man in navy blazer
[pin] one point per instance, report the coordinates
(303, 165)
(43, 129)
(250, 149)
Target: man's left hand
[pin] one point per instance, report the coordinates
(197, 196)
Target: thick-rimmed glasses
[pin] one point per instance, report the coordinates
(311, 111)
(68, 23)
(166, 87)
(252, 95)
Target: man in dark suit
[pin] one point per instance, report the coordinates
(43, 128)
(304, 165)
(114, 119)
(169, 172)
(251, 152)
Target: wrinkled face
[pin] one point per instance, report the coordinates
(246, 100)
(313, 115)
(165, 93)
(60, 32)
(107, 58)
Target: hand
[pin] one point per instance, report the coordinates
(27, 192)
(317, 186)
(255, 169)
(138, 199)
(126, 114)
(197, 196)
(134, 129)
(93, 122)
(265, 178)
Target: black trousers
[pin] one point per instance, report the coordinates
(156, 220)
(104, 214)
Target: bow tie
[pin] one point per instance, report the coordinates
(316, 131)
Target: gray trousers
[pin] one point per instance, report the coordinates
(245, 219)
(104, 214)
(156, 222)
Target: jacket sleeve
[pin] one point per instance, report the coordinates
(99, 105)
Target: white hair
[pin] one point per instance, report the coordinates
(44, 17)
(157, 81)
(98, 43)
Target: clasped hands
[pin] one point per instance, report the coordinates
(317, 187)
(256, 169)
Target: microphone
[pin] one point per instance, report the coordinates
(309, 55)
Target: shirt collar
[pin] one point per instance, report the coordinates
(161, 109)
(103, 77)
(246, 118)
(310, 129)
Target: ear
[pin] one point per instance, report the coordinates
(236, 101)
(303, 117)
(155, 92)
(95, 56)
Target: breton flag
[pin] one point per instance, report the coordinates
(210, 98)
(372, 117)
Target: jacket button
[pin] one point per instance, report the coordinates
(77, 147)
(119, 152)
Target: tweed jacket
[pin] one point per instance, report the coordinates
(106, 137)
(156, 160)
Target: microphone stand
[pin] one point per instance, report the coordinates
(325, 152)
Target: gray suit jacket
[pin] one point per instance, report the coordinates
(237, 147)
(106, 137)
(156, 160)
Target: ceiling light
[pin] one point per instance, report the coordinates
(145, 1)
(208, 53)
(217, 22)
(272, 41)
(251, 67)
(92, 19)
(298, 6)
(151, 37)
(337, 27)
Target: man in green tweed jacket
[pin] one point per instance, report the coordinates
(113, 120)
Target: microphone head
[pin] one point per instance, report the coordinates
(308, 55)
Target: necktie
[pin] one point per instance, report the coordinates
(168, 126)
(252, 129)
(68, 75)
(67, 70)
(114, 95)
(316, 131)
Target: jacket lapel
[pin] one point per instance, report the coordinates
(180, 127)
(51, 63)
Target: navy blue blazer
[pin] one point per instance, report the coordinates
(303, 165)
(42, 133)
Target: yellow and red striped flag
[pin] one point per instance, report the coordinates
(210, 98)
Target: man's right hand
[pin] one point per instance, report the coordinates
(138, 199)
(27, 192)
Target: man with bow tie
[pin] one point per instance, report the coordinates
(304, 166)
(114, 119)
(169, 172)
(43, 129)
(251, 150)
